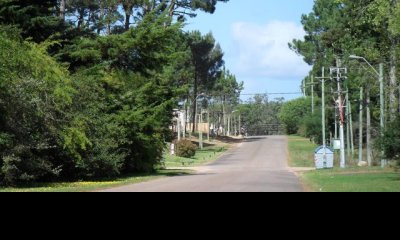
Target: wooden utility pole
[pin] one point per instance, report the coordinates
(348, 124)
(369, 137)
(312, 94)
(351, 129)
(340, 76)
(361, 130)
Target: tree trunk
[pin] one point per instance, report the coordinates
(127, 21)
(393, 72)
(148, 7)
(393, 80)
(128, 14)
(172, 8)
(81, 17)
(186, 111)
(62, 10)
(194, 103)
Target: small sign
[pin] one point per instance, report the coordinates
(336, 144)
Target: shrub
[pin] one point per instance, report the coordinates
(186, 149)
(391, 141)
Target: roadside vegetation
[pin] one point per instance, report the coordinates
(349, 34)
(352, 179)
(301, 152)
(203, 156)
(170, 167)
(88, 88)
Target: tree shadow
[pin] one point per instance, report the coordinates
(229, 139)
(254, 139)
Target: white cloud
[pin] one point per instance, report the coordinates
(262, 50)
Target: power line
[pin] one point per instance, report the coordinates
(288, 93)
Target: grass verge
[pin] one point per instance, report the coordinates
(207, 155)
(354, 179)
(86, 186)
(301, 152)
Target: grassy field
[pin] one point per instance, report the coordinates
(301, 152)
(207, 155)
(352, 179)
(94, 185)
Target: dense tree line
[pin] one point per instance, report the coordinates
(88, 87)
(335, 30)
(260, 115)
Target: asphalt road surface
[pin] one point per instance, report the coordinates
(257, 165)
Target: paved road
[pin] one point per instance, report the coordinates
(257, 165)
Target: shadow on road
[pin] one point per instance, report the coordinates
(254, 139)
(229, 139)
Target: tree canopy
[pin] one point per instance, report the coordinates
(88, 88)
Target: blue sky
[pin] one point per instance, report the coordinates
(254, 35)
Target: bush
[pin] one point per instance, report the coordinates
(313, 127)
(391, 141)
(186, 149)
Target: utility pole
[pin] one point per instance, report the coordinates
(312, 84)
(348, 124)
(312, 94)
(184, 125)
(351, 128)
(382, 99)
(208, 125)
(336, 123)
(178, 126)
(360, 147)
(200, 129)
(240, 124)
(340, 103)
(369, 136)
(323, 108)
(323, 79)
(382, 103)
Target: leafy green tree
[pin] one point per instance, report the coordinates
(207, 60)
(106, 108)
(293, 113)
(135, 78)
(37, 19)
(35, 92)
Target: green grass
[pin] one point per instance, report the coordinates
(207, 155)
(301, 152)
(86, 186)
(352, 180)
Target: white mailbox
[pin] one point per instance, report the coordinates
(324, 157)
